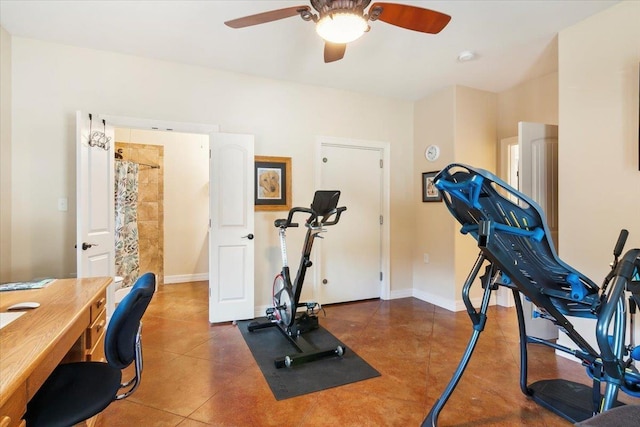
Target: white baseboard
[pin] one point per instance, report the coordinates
(451, 305)
(447, 304)
(401, 293)
(260, 311)
(183, 278)
(436, 300)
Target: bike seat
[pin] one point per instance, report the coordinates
(283, 223)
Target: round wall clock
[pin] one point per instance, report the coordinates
(432, 153)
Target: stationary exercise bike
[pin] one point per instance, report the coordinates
(286, 294)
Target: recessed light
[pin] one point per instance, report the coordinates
(465, 56)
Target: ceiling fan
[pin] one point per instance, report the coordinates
(339, 22)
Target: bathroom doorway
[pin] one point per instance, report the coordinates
(229, 169)
(173, 201)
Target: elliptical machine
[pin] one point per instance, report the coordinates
(286, 295)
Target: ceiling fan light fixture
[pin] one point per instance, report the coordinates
(341, 27)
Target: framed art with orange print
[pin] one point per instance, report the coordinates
(272, 183)
(429, 191)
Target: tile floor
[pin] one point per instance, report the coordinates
(196, 374)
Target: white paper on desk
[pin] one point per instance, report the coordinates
(8, 317)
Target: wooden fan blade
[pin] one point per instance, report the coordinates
(262, 18)
(412, 17)
(334, 51)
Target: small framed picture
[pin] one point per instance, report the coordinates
(272, 183)
(429, 191)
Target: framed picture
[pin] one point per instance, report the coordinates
(272, 183)
(429, 191)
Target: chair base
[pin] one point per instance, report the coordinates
(570, 400)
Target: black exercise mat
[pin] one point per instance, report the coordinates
(269, 344)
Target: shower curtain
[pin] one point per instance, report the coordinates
(127, 257)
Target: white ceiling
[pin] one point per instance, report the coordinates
(514, 40)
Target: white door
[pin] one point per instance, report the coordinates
(95, 197)
(538, 168)
(231, 244)
(350, 258)
(538, 179)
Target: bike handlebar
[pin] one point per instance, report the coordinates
(337, 212)
(285, 223)
(622, 274)
(622, 239)
(617, 250)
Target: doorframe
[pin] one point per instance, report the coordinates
(385, 262)
(159, 125)
(504, 296)
(154, 125)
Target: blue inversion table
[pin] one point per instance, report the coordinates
(518, 253)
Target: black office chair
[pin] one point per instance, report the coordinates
(75, 392)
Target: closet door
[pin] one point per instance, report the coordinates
(350, 266)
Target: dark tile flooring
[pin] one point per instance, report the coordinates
(196, 374)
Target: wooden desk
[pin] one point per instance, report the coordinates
(34, 344)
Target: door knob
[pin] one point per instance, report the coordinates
(325, 281)
(248, 236)
(86, 246)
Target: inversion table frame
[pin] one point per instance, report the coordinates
(515, 242)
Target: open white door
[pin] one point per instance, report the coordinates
(538, 179)
(538, 169)
(231, 247)
(94, 192)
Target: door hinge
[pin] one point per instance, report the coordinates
(381, 164)
(209, 222)
(381, 276)
(209, 153)
(381, 220)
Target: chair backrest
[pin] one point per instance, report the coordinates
(120, 338)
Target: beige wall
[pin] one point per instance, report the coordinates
(597, 87)
(5, 156)
(434, 123)
(476, 144)
(51, 82)
(599, 180)
(462, 122)
(533, 101)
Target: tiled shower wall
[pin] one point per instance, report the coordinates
(150, 205)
